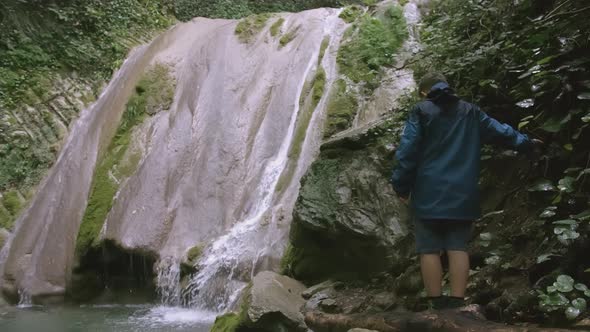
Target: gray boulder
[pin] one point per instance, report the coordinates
(274, 303)
(271, 303)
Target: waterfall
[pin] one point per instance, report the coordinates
(218, 170)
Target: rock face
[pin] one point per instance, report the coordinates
(347, 219)
(274, 303)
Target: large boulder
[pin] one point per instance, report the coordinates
(347, 219)
(271, 303)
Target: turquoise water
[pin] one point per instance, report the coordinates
(99, 318)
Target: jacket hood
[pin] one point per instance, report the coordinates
(442, 93)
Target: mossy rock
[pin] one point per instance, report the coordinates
(153, 93)
(275, 28)
(288, 37)
(192, 256)
(347, 220)
(12, 202)
(342, 108)
(250, 26)
(323, 48)
(229, 322)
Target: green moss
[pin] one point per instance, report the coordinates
(403, 2)
(316, 88)
(194, 253)
(12, 202)
(154, 92)
(6, 220)
(372, 46)
(319, 85)
(229, 322)
(235, 322)
(323, 48)
(250, 26)
(288, 37)
(275, 29)
(351, 13)
(341, 109)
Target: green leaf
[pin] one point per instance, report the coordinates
(580, 303)
(546, 60)
(542, 185)
(566, 184)
(554, 125)
(572, 313)
(569, 222)
(564, 283)
(485, 236)
(583, 216)
(492, 260)
(557, 299)
(584, 96)
(572, 170)
(522, 124)
(551, 126)
(547, 214)
(544, 258)
(586, 118)
(568, 147)
(526, 103)
(581, 287)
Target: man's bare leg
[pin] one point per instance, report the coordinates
(459, 271)
(431, 274)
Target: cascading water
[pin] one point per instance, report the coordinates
(168, 279)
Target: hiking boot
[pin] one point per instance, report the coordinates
(437, 302)
(454, 302)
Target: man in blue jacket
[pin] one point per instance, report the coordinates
(438, 165)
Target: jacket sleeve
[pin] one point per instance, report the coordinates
(493, 131)
(407, 155)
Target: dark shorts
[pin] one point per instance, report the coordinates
(432, 236)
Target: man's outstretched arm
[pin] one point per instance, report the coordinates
(407, 156)
(492, 131)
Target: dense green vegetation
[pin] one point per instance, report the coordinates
(153, 93)
(526, 62)
(372, 45)
(42, 38)
(42, 41)
(187, 9)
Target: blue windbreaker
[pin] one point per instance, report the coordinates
(438, 160)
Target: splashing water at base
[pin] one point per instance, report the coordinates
(99, 318)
